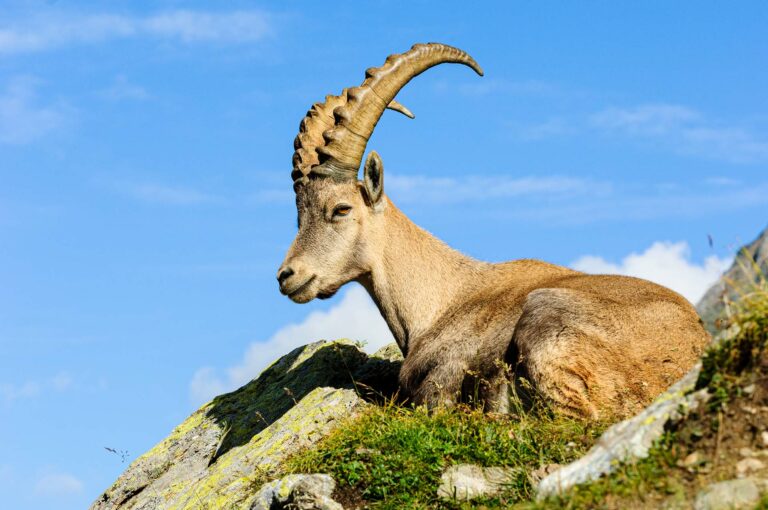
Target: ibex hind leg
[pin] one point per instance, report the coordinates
(554, 360)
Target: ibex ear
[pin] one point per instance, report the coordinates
(373, 179)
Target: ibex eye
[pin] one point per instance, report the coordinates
(342, 210)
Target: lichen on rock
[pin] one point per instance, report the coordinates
(297, 492)
(220, 455)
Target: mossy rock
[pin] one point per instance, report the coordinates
(222, 453)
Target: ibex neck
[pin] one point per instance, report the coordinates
(414, 276)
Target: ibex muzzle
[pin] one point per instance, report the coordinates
(591, 345)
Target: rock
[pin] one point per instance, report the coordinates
(537, 475)
(692, 460)
(297, 492)
(378, 378)
(238, 439)
(748, 465)
(714, 304)
(730, 495)
(464, 482)
(747, 452)
(629, 439)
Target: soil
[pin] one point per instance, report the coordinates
(350, 498)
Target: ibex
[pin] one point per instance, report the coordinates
(592, 346)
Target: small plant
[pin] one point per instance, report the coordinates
(723, 365)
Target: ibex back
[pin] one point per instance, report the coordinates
(592, 346)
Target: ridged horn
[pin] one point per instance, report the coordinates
(334, 145)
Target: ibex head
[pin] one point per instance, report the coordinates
(339, 216)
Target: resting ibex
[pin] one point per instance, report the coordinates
(590, 345)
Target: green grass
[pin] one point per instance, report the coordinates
(393, 457)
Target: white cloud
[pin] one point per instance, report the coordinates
(191, 26)
(684, 130)
(169, 195)
(51, 31)
(665, 263)
(355, 317)
(10, 392)
(22, 119)
(58, 484)
(421, 189)
(648, 120)
(121, 88)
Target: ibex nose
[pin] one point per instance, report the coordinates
(284, 274)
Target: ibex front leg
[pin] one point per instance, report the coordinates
(437, 385)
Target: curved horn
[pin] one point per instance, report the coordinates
(318, 119)
(339, 150)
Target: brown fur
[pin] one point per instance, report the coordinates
(593, 346)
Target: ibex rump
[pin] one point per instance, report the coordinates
(590, 345)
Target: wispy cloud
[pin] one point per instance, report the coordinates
(168, 195)
(422, 189)
(58, 484)
(642, 203)
(11, 392)
(121, 89)
(645, 120)
(671, 127)
(22, 118)
(438, 190)
(684, 130)
(355, 317)
(562, 200)
(666, 263)
(46, 32)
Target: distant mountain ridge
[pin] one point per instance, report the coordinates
(749, 266)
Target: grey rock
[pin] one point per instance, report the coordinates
(748, 465)
(730, 495)
(214, 458)
(745, 270)
(629, 439)
(464, 482)
(297, 492)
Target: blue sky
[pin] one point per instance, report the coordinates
(146, 203)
